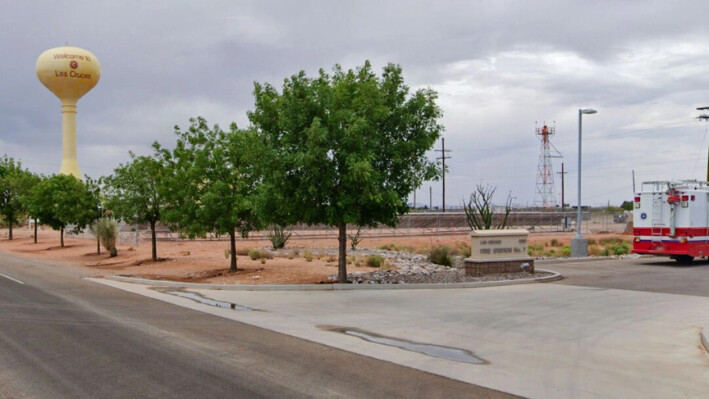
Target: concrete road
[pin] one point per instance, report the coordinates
(65, 337)
(578, 338)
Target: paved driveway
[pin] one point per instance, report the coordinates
(596, 334)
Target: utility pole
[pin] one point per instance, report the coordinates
(562, 173)
(443, 158)
(563, 203)
(430, 198)
(705, 117)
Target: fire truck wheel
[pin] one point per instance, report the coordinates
(683, 259)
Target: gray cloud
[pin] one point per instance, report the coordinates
(498, 66)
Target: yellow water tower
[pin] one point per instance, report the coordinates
(69, 73)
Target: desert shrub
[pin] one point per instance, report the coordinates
(605, 252)
(622, 249)
(350, 259)
(592, 241)
(389, 247)
(555, 243)
(535, 249)
(243, 251)
(279, 236)
(263, 261)
(406, 248)
(355, 239)
(308, 256)
(462, 249)
(550, 253)
(441, 255)
(254, 254)
(107, 231)
(594, 250)
(227, 253)
(291, 255)
(565, 252)
(358, 263)
(614, 241)
(331, 258)
(375, 261)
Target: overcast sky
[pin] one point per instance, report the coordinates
(498, 66)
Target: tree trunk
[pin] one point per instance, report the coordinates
(98, 244)
(154, 241)
(35, 230)
(10, 235)
(342, 254)
(61, 237)
(232, 241)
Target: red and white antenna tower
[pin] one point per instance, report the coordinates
(545, 195)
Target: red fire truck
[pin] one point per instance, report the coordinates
(671, 218)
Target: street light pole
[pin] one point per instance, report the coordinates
(579, 245)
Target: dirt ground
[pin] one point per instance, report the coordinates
(206, 261)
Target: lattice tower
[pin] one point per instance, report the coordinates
(545, 194)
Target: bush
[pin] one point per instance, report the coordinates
(375, 261)
(441, 256)
(622, 249)
(279, 236)
(389, 247)
(614, 241)
(243, 251)
(555, 243)
(107, 231)
(550, 253)
(254, 254)
(535, 249)
(565, 252)
(355, 239)
(308, 256)
(462, 249)
(594, 250)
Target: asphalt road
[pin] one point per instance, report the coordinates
(65, 337)
(648, 274)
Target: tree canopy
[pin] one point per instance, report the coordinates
(346, 148)
(133, 193)
(61, 201)
(212, 182)
(15, 184)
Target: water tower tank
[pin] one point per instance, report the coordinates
(69, 73)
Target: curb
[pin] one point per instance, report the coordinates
(337, 287)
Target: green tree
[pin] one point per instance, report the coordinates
(627, 205)
(15, 183)
(345, 149)
(212, 182)
(133, 193)
(61, 201)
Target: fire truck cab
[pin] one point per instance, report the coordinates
(671, 218)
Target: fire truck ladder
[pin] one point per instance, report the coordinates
(657, 205)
